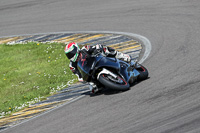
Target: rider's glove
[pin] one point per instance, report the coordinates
(124, 57)
(127, 58)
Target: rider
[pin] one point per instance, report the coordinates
(74, 53)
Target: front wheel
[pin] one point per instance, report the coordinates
(143, 73)
(115, 84)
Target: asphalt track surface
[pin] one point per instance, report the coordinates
(168, 102)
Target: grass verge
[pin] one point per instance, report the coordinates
(30, 72)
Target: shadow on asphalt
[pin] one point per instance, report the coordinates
(106, 91)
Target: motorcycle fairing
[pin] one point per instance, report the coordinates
(89, 66)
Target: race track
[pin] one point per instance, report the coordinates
(168, 102)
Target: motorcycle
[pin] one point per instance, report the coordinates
(110, 72)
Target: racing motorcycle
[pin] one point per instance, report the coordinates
(110, 72)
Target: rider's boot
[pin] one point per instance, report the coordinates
(93, 88)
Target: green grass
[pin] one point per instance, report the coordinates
(31, 71)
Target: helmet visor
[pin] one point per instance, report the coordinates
(72, 53)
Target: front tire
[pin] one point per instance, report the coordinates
(143, 73)
(112, 85)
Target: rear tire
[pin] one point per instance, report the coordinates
(111, 85)
(143, 73)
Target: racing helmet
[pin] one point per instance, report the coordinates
(72, 51)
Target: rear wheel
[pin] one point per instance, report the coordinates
(113, 83)
(143, 73)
